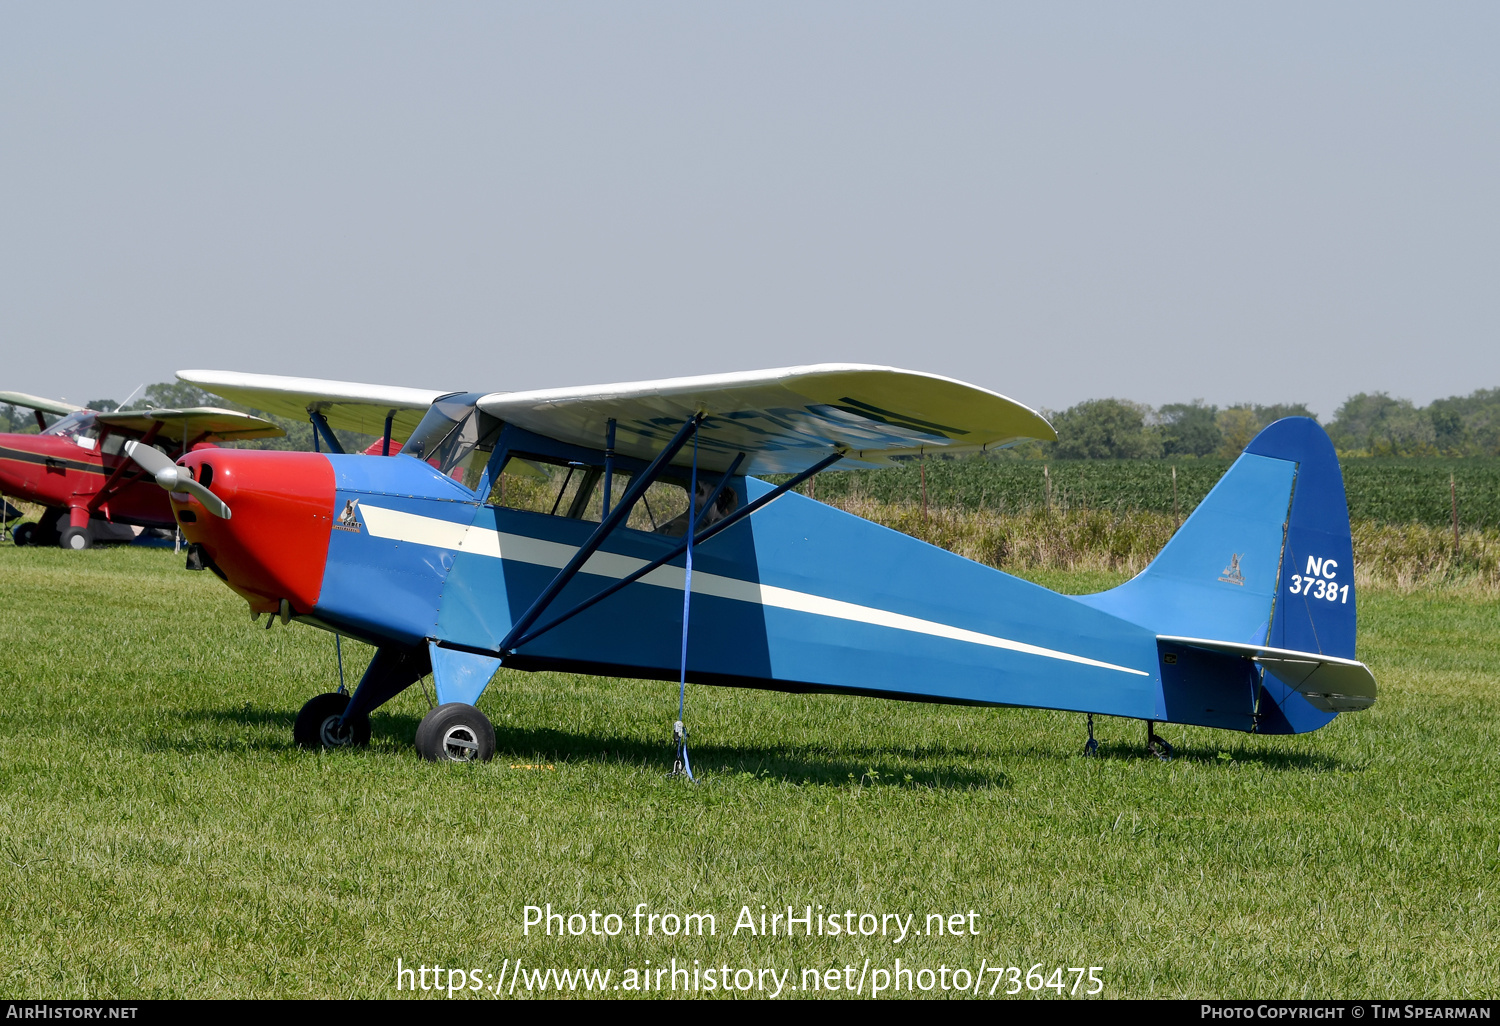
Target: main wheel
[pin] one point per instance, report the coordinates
(317, 724)
(46, 532)
(456, 732)
(75, 539)
(23, 534)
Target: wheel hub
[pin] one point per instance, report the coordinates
(334, 737)
(461, 743)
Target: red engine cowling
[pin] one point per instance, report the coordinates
(275, 544)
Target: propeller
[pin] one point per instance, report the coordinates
(174, 478)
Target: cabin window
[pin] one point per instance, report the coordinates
(576, 490)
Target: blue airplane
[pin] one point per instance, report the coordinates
(620, 530)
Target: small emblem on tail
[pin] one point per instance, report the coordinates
(1232, 573)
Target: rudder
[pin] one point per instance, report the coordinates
(1315, 604)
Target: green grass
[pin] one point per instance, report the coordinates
(160, 837)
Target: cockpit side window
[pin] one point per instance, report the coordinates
(575, 490)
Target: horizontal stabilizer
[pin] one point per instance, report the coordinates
(1330, 683)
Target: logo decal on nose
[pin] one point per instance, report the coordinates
(349, 518)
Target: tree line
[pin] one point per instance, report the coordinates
(1367, 424)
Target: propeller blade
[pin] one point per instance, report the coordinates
(211, 502)
(152, 461)
(174, 478)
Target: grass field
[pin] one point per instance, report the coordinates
(160, 837)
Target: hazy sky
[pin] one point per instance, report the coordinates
(1058, 201)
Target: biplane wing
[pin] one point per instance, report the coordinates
(347, 405)
(204, 423)
(785, 420)
(36, 402)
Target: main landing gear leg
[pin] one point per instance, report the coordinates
(339, 720)
(1157, 746)
(1092, 748)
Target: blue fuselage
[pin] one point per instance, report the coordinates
(799, 597)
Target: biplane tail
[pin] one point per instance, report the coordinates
(1264, 570)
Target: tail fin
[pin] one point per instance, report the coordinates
(1266, 559)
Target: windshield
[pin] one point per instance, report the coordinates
(455, 436)
(74, 425)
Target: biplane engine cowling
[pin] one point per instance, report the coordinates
(276, 545)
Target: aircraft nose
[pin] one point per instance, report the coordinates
(276, 544)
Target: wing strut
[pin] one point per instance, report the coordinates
(703, 536)
(107, 492)
(616, 516)
(320, 427)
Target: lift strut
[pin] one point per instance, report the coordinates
(616, 517)
(703, 536)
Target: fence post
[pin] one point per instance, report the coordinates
(1175, 517)
(1047, 487)
(923, 462)
(1453, 497)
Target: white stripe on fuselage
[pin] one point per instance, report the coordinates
(481, 541)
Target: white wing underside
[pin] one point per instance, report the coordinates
(210, 421)
(784, 420)
(348, 405)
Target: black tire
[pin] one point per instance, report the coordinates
(74, 539)
(46, 532)
(23, 534)
(456, 732)
(317, 724)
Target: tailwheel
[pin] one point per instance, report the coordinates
(318, 726)
(456, 732)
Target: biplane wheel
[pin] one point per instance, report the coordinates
(317, 724)
(456, 732)
(74, 539)
(23, 534)
(45, 532)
